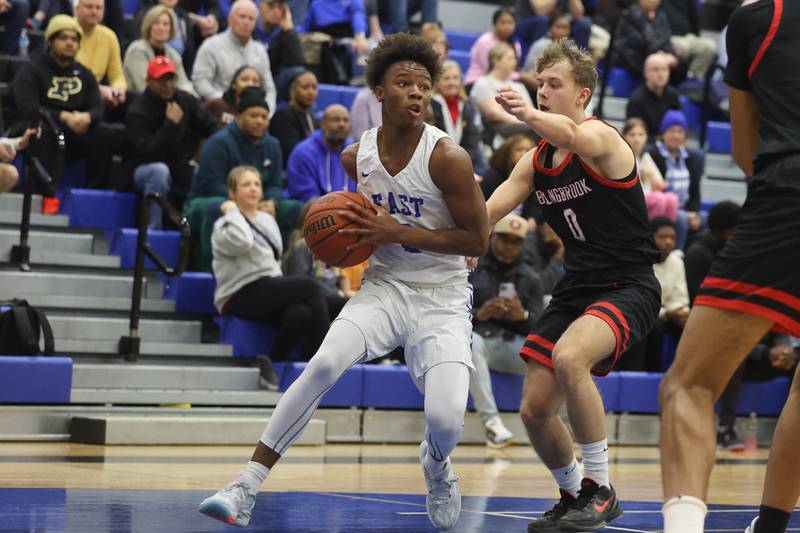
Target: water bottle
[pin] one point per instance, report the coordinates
(24, 42)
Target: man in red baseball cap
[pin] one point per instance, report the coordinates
(164, 126)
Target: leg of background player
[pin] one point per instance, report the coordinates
(713, 345)
(781, 489)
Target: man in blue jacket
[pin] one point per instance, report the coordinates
(314, 169)
(244, 142)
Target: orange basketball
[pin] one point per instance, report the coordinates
(321, 230)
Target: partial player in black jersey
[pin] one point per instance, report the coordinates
(753, 285)
(586, 184)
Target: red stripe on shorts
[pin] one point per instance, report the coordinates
(619, 316)
(529, 353)
(608, 320)
(753, 290)
(541, 341)
(788, 325)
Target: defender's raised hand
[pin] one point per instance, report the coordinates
(513, 103)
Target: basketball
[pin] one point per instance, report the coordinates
(321, 230)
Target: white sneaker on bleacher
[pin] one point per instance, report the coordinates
(497, 434)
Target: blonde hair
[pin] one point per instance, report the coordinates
(498, 51)
(583, 70)
(237, 172)
(447, 65)
(152, 15)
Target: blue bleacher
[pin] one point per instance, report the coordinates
(123, 243)
(718, 135)
(693, 112)
(462, 58)
(621, 83)
(335, 94)
(346, 393)
(40, 380)
(193, 292)
(95, 208)
(461, 40)
(389, 387)
(638, 392)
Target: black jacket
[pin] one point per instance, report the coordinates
(285, 51)
(637, 37)
(644, 103)
(486, 280)
(43, 85)
(471, 133)
(698, 259)
(682, 15)
(695, 164)
(290, 127)
(153, 138)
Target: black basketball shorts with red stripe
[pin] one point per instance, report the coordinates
(758, 271)
(627, 299)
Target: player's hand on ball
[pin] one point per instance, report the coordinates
(376, 227)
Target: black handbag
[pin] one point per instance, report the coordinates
(21, 328)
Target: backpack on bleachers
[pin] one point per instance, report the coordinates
(21, 327)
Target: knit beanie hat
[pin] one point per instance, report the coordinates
(61, 23)
(673, 117)
(252, 97)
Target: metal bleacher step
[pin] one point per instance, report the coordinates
(722, 166)
(12, 218)
(171, 349)
(176, 396)
(64, 284)
(13, 202)
(144, 376)
(86, 303)
(176, 429)
(41, 256)
(71, 243)
(75, 327)
(614, 108)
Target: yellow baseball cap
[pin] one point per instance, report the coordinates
(513, 225)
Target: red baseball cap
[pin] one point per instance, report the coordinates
(159, 66)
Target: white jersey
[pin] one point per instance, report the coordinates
(412, 199)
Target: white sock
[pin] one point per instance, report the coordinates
(568, 477)
(684, 514)
(254, 475)
(595, 461)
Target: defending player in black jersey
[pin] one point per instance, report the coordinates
(586, 183)
(754, 284)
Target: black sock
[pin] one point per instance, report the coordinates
(771, 520)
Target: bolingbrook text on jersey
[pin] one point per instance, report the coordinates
(569, 192)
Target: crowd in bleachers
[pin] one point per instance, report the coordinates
(188, 93)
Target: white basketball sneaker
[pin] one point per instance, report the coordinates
(232, 505)
(752, 527)
(497, 434)
(443, 501)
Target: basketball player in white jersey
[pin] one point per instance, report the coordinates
(430, 215)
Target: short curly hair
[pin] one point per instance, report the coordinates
(401, 47)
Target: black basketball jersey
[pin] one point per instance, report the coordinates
(603, 223)
(763, 42)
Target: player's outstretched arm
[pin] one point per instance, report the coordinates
(591, 139)
(513, 191)
(451, 170)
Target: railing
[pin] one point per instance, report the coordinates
(35, 170)
(129, 345)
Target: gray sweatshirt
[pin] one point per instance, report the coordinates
(220, 56)
(242, 255)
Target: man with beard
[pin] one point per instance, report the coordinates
(164, 127)
(508, 298)
(55, 83)
(314, 168)
(244, 142)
